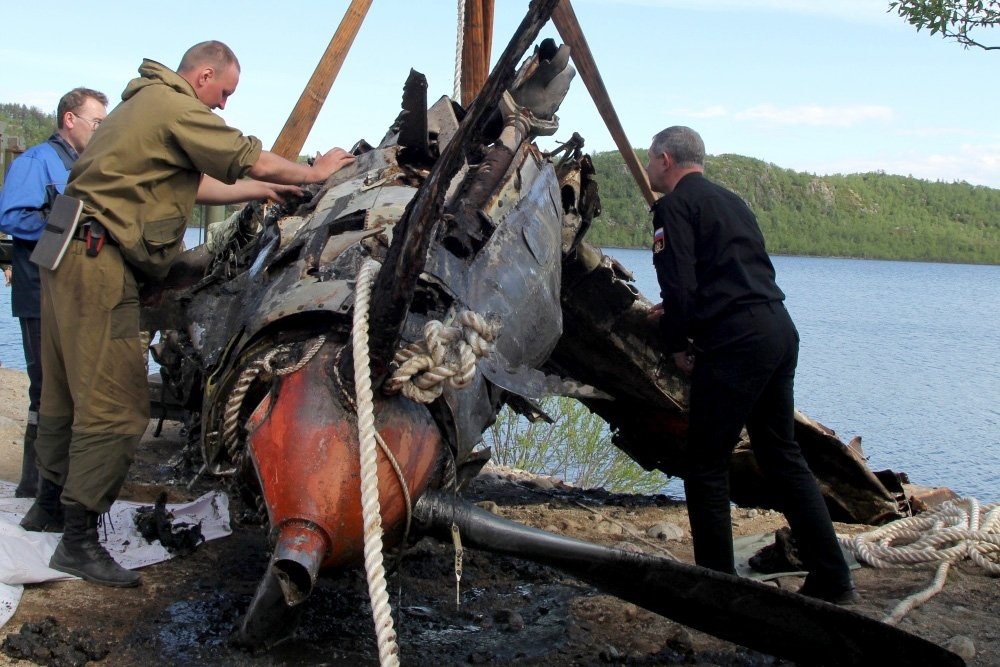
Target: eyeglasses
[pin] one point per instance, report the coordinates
(94, 122)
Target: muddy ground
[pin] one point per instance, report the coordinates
(511, 611)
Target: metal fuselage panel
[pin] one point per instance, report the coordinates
(513, 280)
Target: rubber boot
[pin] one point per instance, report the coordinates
(80, 552)
(46, 515)
(28, 486)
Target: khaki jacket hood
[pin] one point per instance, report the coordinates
(152, 73)
(140, 173)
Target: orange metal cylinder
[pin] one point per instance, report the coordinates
(304, 446)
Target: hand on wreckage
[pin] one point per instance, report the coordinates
(684, 361)
(685, 358)
(278, 192)
(655, 312)
(332, 161)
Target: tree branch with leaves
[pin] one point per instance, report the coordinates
(952, 19)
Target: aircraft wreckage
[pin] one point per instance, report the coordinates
(346, 353)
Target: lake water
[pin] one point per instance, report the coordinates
(903, 354)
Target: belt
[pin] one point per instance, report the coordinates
(82, 230)
(95, 241)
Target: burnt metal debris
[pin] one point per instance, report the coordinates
(48, 643)
(480, 232)
(156, 524)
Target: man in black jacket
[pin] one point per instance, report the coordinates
(723, 320)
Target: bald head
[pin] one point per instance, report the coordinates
(212, 54)
(213, 71)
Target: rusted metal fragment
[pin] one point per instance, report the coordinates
(922, 498)
(412, 121)
(852, 491)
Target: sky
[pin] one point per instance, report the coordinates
(820, 86)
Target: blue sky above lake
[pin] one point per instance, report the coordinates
(825, 86)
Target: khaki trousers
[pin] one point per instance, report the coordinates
(95, 398)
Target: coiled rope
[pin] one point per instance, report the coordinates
(950, 533)
(388, 651)
(230, 419)
(446, 355)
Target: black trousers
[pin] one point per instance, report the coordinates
(744, 374)
(31, 340)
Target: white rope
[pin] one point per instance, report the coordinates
(446, 355)
(458, 52)
(950, 533)
(230, 417)
(388, 651)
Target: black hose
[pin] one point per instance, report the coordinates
(739, 610)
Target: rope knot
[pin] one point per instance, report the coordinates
(446, 355)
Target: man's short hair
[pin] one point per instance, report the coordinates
(212, 53)
(682, 143)
(74, 100)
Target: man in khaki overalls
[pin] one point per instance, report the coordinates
(157, 154)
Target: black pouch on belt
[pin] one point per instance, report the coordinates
(96, 235)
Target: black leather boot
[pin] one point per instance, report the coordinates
(46, 515)
(28, 486)
(80, 552)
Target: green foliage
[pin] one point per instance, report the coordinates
(873, 215)
(30, 123)
(576, 448)
(952, 19)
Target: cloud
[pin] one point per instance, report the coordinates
(978, 164)
(816, 115)
(813, 115)
(715, 111)
(975, 163)
(861, 11)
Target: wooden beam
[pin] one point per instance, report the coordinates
(568, 26)
(300, 121)
(487, 36)
(477, 38)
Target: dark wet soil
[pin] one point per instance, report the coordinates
(508, 611)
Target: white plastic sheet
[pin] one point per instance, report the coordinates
(24, 555)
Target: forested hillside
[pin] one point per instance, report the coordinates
(873, 215)
(30, 123)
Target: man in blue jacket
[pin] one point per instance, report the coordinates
(31, 185)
